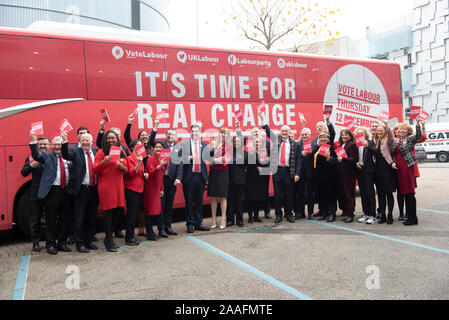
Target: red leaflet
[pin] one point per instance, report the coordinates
(324, 149)
(140, 150)
(341, 152)
(349, 124)
(414, 112)
(301, 117)
(162, 117)
(360, 140)
(307, 147)
(328, 109)
(239, 116)
(165, 154)
(104, 115)
(384, 116)
(262, 107)
(263, 155)
(423, 115)
(38, 127)
(114, 152)
(64, 125)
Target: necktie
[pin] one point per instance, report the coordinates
(91, 171)
(197, 158)
(283, 154)
(62, 172)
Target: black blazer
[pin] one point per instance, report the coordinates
(174, 170)
(369, 154)
(306, 161)
(237, 169)
(76, 155)
(36, 174)
(184, 150)
(50, 161)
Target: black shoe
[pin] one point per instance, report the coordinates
(52, 250)
(163, 234)
(119, 235)
(171, 232)
(240, 224)
(349, 219)
(278, 220)
(267, 215)
(401, 217)
(141, 234)
(257, 219)
(132, 242)
(291, 219)
(250, 220)
(383, 219)
(229, 224)
(389, 219)
(91, 246)
(189, 229)
(310, 217)
(409, 222)
(331, 218)
(109, 246)
(81, 248)
(36, 247)
(152, 236)
(202, 228)
(322, 218)
(71, 241)
(114, 245)
(63, 247)
(94, 239)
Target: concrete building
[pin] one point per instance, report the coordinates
(145, 15)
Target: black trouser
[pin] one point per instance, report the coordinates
(367, 193)
(120, 223)
(235, 203)
(410, 207)
(283, 192)
(254, 207)
(152, 220)
(303, 194)
(58, 205)
(327, 201)
(193, 195)
(110, 218)
(133, 204)
(85, 206)
(167, 204)
(384, 198)
(400, 199)
(37, 208)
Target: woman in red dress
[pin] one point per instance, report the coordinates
(405, 161)
(111, 186)
(154, 190)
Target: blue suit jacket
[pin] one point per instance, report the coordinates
(50, 162)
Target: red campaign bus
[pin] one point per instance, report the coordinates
(51, 76)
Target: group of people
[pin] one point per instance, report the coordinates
(71, 182)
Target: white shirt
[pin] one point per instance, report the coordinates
(86, 180)
(193, 144)
(57, 181)
(287, 153)
(361, 149)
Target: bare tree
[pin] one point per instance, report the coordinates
(267, 23)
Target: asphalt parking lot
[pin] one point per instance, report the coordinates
(304, 260)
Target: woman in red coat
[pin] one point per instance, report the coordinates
(154, 190)
(111, 186)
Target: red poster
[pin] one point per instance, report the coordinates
(165, 154)
(239, 116)
(349, 124)
(162, 117)
(341, 152)
(262, 107)
(328, 109)
(336, 144)
(38, 127)
(140, 150)
(104, 115)
(423, 115)
(414, 112)
(64, 125)
(384, 116)
(324, 148)
(360, 140)
(307, 147)
(114, 152)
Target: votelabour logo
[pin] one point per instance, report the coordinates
(182, 56)
(232, 59)
(281, 63)
(117, 52)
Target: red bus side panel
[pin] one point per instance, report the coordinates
(5, 217)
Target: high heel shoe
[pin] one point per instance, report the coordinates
(222, 227)
(213, 226)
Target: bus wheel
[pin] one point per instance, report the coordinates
(443, 157)
(24, 215)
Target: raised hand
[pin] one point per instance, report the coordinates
(33, 136)
(130, 118)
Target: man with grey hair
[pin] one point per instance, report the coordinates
(288, 170)
(83, 187)
(52, 189)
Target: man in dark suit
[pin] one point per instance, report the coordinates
(35, 168)
(304, 188)
(55, 177)
(288, 170)
(83, 187)
(172, 177)
(193, 170)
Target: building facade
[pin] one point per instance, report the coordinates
(145, 15)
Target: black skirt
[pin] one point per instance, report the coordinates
(218, 183)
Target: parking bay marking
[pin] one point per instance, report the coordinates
(22, 275)
(251, 269)
(382, 237)
(433, 211)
